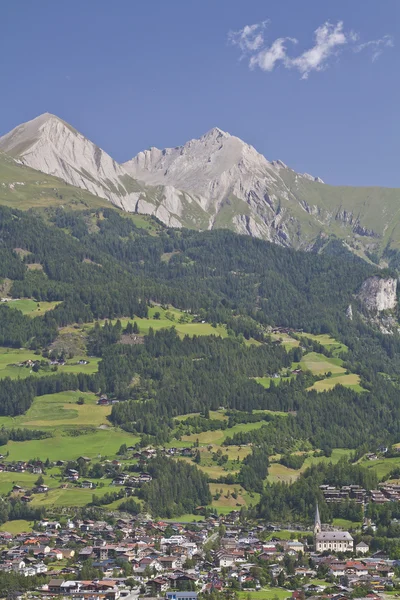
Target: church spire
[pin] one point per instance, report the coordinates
(317, 521)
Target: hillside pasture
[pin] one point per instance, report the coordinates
(71, 496)
(319, 364)
(328, 341)
(57, 410)
(10, 358)
(382, 467)
(17, 526)
(30, 307)
(285, 339)
(218, 436)
(267, 593)
(352, 381)
(226, 502)
(278, 472)
(98, 443)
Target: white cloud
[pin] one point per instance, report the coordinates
(330, 40)
(267, 58)
(377, 46)
(250, 38)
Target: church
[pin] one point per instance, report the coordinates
(335, 541)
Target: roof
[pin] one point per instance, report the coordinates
(334, 536)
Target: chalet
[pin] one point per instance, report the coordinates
(103, 401)
(55, 554)
(168, 562)
(72, 474)
(156, 586)
(88, 484)
(18, 489)
(55, 586)
(41, 489)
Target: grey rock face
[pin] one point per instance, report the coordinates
(378, 294)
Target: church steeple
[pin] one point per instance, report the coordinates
(317, 521)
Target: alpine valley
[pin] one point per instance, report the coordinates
(156, 361)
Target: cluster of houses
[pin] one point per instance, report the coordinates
(346, 492)
(177, 562)
(36, 466)
(387, 492)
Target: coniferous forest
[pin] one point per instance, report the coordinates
(98, 265)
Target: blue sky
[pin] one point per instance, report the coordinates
(131, 74)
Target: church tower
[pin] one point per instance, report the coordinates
(317, 521)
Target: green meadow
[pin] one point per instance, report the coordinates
(267, 593)
(278, 472)
(329, 342)
(30, 307)
(58, 410)
(73, 496)
(381, 467)
(17, 526)
(98, 443)
(320, 364)
(218, 436)
(11, 357)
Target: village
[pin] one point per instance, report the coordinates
(132, 557)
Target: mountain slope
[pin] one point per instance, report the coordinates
(236, 185)
(50, 145)
(24, 188)
(242, 190)
(216, 181)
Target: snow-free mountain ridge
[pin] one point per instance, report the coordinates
(211, 182)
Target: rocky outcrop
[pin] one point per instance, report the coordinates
(378, 294)
(349, 312)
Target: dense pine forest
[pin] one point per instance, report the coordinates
(99, 265)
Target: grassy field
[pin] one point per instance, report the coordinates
(226, 502)
(268, 593)
(218, 436)
(187, 518)
(287, 341)
(381, 467)
(329, 342)
(278, 472)
(31, 307)
(24, 480)
(58, 410)
(68, 497)
(10, 357)
(320, 364)
(170, 318)
(346, 524)
(351, 381)
(218, 415)
(18, 526)
(266, 381)
(104, 443)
